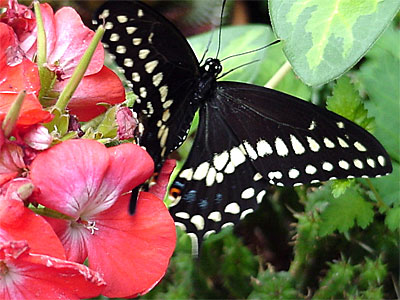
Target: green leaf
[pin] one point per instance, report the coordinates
(336, 281)
(235, 40)
(392, 219)
(347, 103)
(342, 213)
(380, 76)
(271, 285)
(323, 39)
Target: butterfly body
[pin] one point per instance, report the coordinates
(248, 137)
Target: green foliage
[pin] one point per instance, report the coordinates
(273, 285)
(392, 219)
(323, 39)
(344, 211)
(347, 103)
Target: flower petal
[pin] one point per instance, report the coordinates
(33, 276)
(73, 38)
(69, 175)
(132, 252)
(161, 185)
(19, 223)
(84, 102)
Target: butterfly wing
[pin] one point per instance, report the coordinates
(215, 179)
(250, 136)
(160, 67)
(291, 141)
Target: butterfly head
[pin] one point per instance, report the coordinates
(212, 66)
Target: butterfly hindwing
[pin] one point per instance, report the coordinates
(160, 67)
(214, 185)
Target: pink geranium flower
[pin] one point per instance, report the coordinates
(90, 183)
(32, 265)
(67, 39)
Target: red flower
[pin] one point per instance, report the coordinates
(67, 40)
(89, 182)
(23, 76)
(32, 260)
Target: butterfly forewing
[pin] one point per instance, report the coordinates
(291, 141)
(159, 66)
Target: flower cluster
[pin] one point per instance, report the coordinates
(65, 230)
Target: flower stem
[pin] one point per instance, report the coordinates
(47, 212)
(79, 72)
(45, 75)
(278, 76)
(12, 115)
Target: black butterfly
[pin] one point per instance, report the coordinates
(248, 136)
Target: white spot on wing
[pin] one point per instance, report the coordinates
(211, 175)
(136, 41)
(143, 53)
(248, 193)
(381, 160)
(296, 145)
(220, 160)
(371, 162)
(135, 76)
(276, 174)
(163, 92)
(232, 208)
(260, 196)
(358, 163)
(143, 92)
(281, 148)
(201, 171)
(167, 104)
(340, 125)
(128, 62)
(182, 215)
(215, 216)
(130, 29)
(237, 156)
(310, 169)
(121, 49)
(187, 174)
(122, 19)
(327, 166)
(150, 66)
(263, 148)
(342, 143)
(109, 26)
(344, 164)
(114, 37)
(360, 147)
(157, 79)
(257, 177)
(140, 13)
(198, 221)
(314, 146)
(230, 168)
(250, 150)
(328, 143)
(293, 173)
(312, 125)
(245, 213)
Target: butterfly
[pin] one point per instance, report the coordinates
(248, 137)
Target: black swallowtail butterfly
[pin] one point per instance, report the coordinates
(248, 136)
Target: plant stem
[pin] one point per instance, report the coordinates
(379, 199)
(12, 115)
(79, 71)
(279, 75)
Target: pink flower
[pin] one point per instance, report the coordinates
(67, 40)
(32, 259)
(90, 183)
(126, 122)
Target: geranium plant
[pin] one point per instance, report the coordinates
(65, 230)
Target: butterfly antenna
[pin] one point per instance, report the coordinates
(207, 48)
(234, 69)
(220, 28)
(251, 51)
